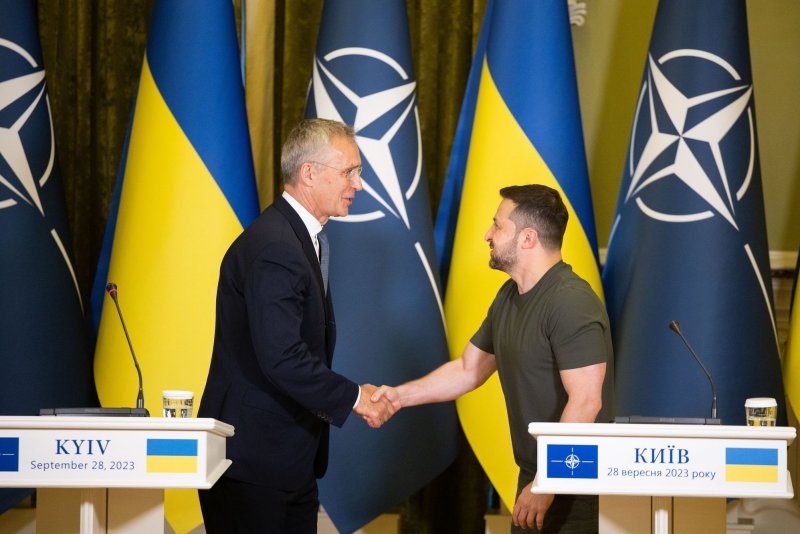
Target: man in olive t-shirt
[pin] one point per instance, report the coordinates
(547, 335)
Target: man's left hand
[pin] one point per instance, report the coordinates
(530, 508)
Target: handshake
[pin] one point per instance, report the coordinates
(377, 405)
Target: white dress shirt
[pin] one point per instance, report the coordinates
(314, 227)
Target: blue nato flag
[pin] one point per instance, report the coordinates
(689, 241)
(383, 274)
(43, 352)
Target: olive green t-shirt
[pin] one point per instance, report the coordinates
(559, 324)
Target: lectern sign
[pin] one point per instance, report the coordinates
(110, 456)
(719, 461)
(108, 452)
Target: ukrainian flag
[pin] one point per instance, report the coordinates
(172, 456)
(751, 465)
(186, 190)
(526, 129)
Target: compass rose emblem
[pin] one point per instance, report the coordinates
(382, 118)
(19, 98)
(386, 121)
(572, 461)
(23, 107)
(691, 137)
(679, 136)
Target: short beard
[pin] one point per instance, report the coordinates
(503, 262)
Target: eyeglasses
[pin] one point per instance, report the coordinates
(350, 174)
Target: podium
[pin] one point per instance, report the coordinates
(108, 474)
(662, 478)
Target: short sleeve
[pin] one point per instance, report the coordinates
(578, 329)
(484, 338)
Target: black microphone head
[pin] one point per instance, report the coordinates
(111, 289)
(675, 326)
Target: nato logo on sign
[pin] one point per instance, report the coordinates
(572, 461)
(9, 454)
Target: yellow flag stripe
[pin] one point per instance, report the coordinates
(751, 473)
(500, 155)
(172, 464)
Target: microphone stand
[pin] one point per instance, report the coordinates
(676, 327)
(112, 291)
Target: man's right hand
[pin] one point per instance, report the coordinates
(530, 508)
(374, 412)
(389, 394)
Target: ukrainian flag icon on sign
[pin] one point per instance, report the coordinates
(171, 455)
(572, 461)
(751, 465)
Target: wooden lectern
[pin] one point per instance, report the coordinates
(662, 478)
(108, 474)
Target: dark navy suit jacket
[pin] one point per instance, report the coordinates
(270, 373)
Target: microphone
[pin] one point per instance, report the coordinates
(676, 327)
(111, 289)
(139, 411)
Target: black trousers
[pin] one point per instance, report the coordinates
(236, 507)
(569, 514)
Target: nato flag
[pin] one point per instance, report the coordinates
(571, 461)
(689, 240)
(383, 274)
(43, 353)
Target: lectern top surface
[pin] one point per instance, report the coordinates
(116, 423)
(654, 430)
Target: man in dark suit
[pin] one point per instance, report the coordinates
(270, 374)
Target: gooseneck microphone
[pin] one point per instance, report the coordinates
(111, 289)
(676, 327)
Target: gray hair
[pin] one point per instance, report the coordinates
(305, 142)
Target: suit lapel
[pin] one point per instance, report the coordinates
(301, 232)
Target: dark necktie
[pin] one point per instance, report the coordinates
(324, 258)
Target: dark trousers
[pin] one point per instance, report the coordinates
(569, 514)
(235, 507)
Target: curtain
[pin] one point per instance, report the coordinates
(92, 55)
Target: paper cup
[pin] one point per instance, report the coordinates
(177, 403)
(761, 411)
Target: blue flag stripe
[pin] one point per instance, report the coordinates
(171, 447)
(174, 31)
(517, 58)
(750, 456)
